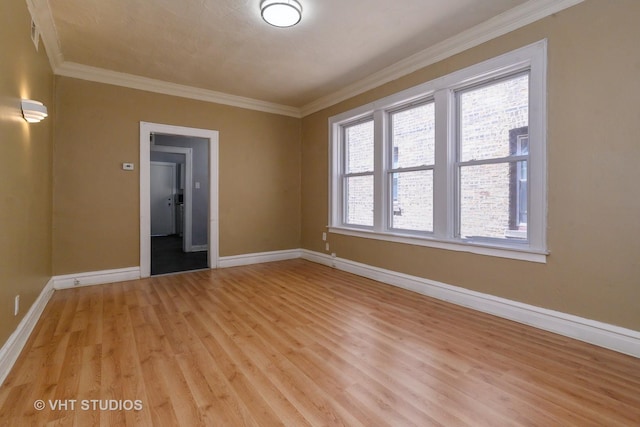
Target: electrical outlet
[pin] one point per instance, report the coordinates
(324, 236)
(326, 246)
(16, 305)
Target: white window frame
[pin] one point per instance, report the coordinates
(445, 211)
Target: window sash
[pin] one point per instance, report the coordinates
(514, 161)
(345, 150)
(390, 114)
(345, 202)
(391, 205)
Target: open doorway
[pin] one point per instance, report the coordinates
(178, 199)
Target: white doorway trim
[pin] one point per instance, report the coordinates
(146, 130)
(187, 245)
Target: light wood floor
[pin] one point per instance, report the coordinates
(295, 343)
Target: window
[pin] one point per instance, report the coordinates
(456, 163)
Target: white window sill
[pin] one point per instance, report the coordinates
(522, 254)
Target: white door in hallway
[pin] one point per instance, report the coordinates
(163, 189)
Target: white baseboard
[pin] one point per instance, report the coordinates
(318, 258)
(11, 349)
(613, 337)
(257, 258)
(199, 248)
(95, 278)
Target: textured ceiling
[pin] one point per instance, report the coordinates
(223, 45)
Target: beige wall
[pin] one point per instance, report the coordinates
(593, 153)
(25, 167)
(274, 197)
(96, 204)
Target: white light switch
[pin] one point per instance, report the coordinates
(197, 185)
(128, 166)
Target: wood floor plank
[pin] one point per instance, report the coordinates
(288, 378)
(298, 344)
(251, 386)
(217, 394)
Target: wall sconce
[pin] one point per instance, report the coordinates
(33, 111)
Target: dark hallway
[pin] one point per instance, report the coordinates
(167, 256)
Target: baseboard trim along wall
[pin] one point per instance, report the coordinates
(13, 347)
(613, 337)
(258, 258)
(96, 278)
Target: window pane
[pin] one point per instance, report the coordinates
(493, 201)
(358, 143)
(488, 113)
(413, 136)
(359, 200)
(412, 200)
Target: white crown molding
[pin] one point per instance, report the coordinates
(17, 340)
(613, 337)
(43, 17)
(504, 23)
(511, 20)
(100, 75)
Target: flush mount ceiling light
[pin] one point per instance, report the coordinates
(281, 13)
(33, 111)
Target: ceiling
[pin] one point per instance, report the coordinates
(225, 47)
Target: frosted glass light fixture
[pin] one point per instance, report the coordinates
(33, 111)
(281, 13)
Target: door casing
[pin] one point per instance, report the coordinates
(146, 130)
